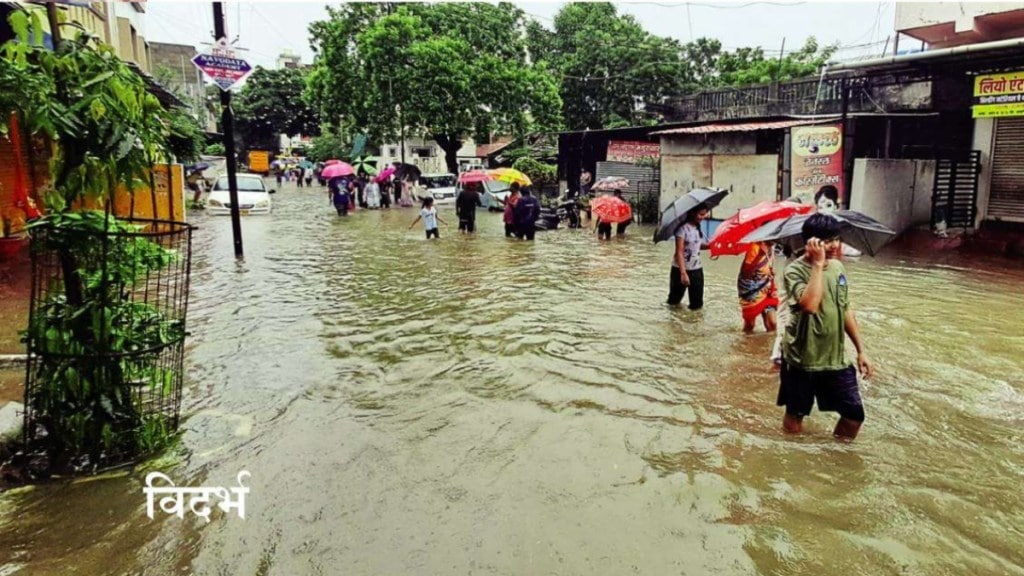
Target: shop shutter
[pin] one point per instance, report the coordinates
(1006, 201)
(638, 175)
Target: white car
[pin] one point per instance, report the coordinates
(253, 196)
(495, 194)
(440, 186)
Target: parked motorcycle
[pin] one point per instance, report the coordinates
(567, 211)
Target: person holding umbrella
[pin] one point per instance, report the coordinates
(687, 268)
(680, 221)
(814, 363)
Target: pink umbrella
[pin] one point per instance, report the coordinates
(335, 170)
(475, 176)
(384, 174)
(331, 162)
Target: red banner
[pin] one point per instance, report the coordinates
(632, 150)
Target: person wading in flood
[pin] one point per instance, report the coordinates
(526, 212)
(465, 207)
(814, 363)
(687, 270)
(430, 218)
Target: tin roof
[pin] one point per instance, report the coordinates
(744, 127)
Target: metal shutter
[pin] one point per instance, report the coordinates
(1006, 201)
(636, 174)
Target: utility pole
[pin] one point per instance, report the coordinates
(228, 122)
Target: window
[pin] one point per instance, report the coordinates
(392, 152)
(425, 152)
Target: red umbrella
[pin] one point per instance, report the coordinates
(384, 174)
(339, 169)
(728, 236)
(611, 209)
(474, 176)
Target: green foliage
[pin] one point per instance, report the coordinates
(446, 71)
(541, 174)
(215, 149)
(271, 103)
(186, 137)
(328, 146)
(95, 346)
(607, 61)
(109, 128)
(645, 206)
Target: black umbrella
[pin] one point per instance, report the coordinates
(674, 216)
(862, 232)
(407, 172)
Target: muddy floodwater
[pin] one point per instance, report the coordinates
(480, 406)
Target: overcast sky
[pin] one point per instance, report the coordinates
(268, 28)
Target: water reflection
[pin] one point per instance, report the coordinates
(487, 406)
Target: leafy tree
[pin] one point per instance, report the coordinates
(270, 104)
(215, 149)
(446, 71)
(327, 146)
(606, 61)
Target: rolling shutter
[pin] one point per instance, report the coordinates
(1006, 201)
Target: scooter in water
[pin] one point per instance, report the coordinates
(566, 212)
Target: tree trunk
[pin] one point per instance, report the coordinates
(450, 143)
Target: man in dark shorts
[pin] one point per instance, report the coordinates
(814, 363)
(465, 207)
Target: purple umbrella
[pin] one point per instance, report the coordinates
(339, 169)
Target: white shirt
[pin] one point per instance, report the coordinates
(429, 216)
(692, 241)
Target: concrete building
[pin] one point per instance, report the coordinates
(289, 59)
(171, 66)
(425, 154)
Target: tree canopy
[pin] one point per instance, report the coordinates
(446, 71)
(271, 103)
(607, 63)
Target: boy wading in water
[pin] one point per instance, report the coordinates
(814, 361)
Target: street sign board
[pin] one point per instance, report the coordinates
(225, 71)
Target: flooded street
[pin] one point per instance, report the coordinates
(482, 406)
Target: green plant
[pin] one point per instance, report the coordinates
(541, 174)
(96, 350)
(215, 149)
(95, 357)
(645, 205)
(648, 162)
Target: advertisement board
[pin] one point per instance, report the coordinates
(817, 160)
(998, 95)
(632, 150)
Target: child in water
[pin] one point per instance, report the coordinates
(430, 218)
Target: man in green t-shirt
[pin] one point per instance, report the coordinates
(814, 363)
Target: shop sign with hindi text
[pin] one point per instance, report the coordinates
(998, 95)
(632, 150)
(817, 159)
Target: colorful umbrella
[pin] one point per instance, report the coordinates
(365, 164)
(338, 169)
(475, 176)
(729, 235)
(305, 164)
(858, 230)
(611, 209)
(511, 175)
(384, 174)
(674, 216)
(610, 183)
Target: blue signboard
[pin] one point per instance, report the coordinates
(225, 71)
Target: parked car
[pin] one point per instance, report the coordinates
(440, 186)
(253, 196)
(495, 194)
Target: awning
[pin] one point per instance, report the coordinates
(746, 126)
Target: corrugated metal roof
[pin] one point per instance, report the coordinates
(743, 127)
